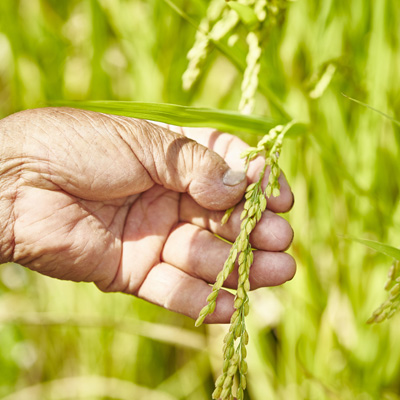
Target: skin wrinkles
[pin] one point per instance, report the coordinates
(131, 142)
(108, 286)
(10, 171)
(19, 255)
(92, 147)
(7, 243)
(147, 228)
(170, 298)
(178, 155)
(173, 155)
(103, 202)
(168, 151)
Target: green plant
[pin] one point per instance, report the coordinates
(392, 304)
(234, 353)
(257, 16)
(313, 342)
(221, 20)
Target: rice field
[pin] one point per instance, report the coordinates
(308, 338)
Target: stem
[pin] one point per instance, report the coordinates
(235, 60)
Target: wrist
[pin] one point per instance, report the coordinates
(6, 228)
(7, 197)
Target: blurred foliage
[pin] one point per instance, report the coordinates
(309, 338)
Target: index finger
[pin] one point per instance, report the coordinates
(230, 147)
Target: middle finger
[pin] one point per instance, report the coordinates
(272, 232)
(201, 254)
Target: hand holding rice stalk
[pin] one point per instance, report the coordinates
(256, 202)
(253, 14)
(270, 147)
(221, 21)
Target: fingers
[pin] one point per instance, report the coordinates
(230, 147)
(183, 165)
(200, 254)
(101, 157)
(284, 202)
(272, 233)
(177, 291)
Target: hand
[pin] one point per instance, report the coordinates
(132, 207)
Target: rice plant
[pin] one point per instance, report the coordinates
(309, 338)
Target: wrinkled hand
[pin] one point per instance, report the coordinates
(132, 207)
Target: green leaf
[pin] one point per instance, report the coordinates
(394, 120)
(379, 247)
(295, 130)
(238, 57)
(226, 121)
(246, 13)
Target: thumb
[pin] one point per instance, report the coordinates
(183, 165)
(101, 157)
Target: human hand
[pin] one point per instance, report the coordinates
(132, 207)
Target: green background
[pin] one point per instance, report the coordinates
(308, 338)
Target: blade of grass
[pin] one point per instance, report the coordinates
(159, 332)
(379, 247)
(227, 121)
(92, 386)
(394, 120)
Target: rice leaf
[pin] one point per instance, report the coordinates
(227, 121)
(379, 247)
(394, 120)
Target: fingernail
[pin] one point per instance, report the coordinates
(233, 178)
